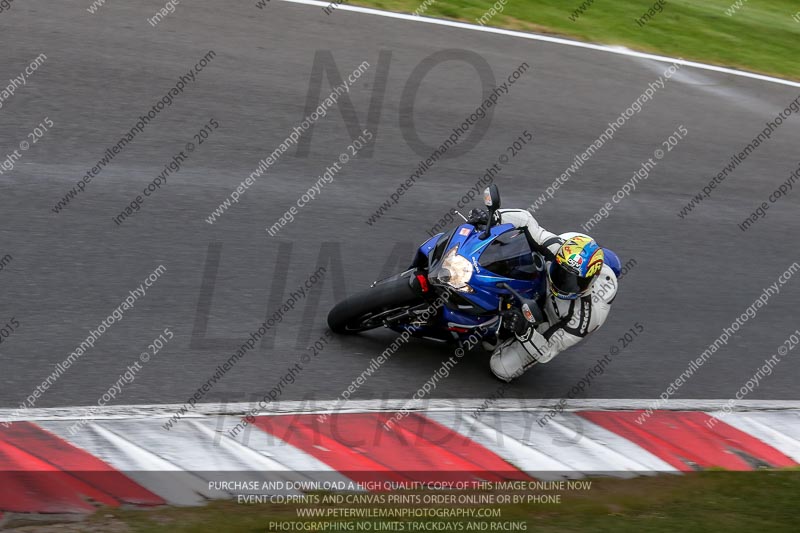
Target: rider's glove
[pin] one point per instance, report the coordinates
(478, 217)
(514, 322)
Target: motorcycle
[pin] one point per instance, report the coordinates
(459, 283)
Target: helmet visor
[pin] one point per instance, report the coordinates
(568, 283)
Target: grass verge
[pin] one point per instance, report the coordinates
(710, 501)
(759, 35)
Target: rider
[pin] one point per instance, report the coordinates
(581, 288)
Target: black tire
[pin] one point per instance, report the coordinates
(353, 314)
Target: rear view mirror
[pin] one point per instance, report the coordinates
(491, 197)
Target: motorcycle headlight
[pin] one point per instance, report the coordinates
(455, 271)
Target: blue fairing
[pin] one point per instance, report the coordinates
(481, 305)
(612, 260)
(427, 246)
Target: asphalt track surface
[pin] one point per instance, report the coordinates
(72, 269)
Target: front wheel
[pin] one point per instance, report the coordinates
(367, 310)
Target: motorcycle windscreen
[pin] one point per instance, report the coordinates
(510, 256)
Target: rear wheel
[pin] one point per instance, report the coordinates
(368, 309)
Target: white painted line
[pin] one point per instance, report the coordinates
(579, 446)
(273, 446)
(779, 430)
(147, 468)
(360, 406)
(546, 38)
(520, 454)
